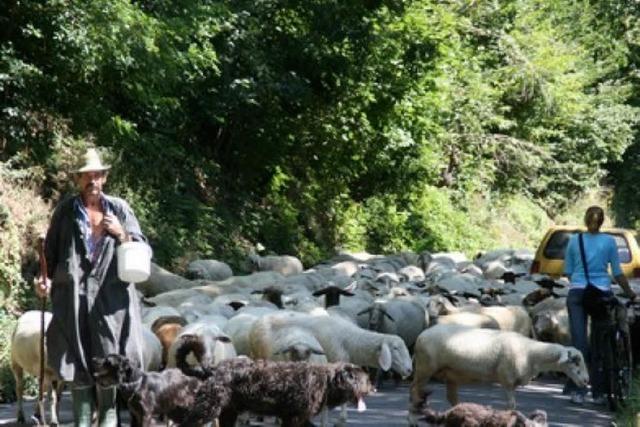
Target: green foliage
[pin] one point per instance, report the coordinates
(19, 228)
(7, 383)
(313, 125)
(427, 219)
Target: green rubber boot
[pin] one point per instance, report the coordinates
(82, 406)
(107, 409)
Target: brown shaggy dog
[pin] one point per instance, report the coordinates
(474, 415)
(291, 391)
(170, 392)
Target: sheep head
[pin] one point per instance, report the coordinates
(332, 295)
(300, 352)
(253, 260)
(572, 364)
(272, 294)
(393, 354)
(376, 317)
(545, 326)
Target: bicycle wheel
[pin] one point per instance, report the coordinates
(623, 367)
(611, 371)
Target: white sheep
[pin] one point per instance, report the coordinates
(239, 326)
(208, 269)
(218, 345)
(462, 355)
(509, 318)
(283, 264)
(289, 344)
(551, 320)
(469, 319)
(349, 308)
(161, 280)
(244, 284)
(341, 340)
(25, 357)
(552, 326)
(172, 298)
(398, 316)
(411, 273)
(464, 284)
(151, 314)
(359, 257)
(310, 279)
(345, 268)
(191, 314)
(197, 299)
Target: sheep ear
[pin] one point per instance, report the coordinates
(575, 358)
(388, 315)
(236, 305)
(569, 356)
(223, 339)
(320, 292)
(317, 350)
(384, 358)
(564, 356)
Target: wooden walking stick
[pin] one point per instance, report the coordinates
(43, 306)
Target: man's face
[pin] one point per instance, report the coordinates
(90, 183)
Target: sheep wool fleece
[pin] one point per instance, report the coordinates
(94, 312)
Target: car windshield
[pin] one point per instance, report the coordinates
(558, 244)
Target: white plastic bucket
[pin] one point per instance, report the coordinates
(134, 262)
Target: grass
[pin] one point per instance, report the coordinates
(629, 414)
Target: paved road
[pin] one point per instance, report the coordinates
(388, 407)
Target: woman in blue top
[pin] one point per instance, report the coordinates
(601, 252)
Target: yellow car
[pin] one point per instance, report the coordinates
(549, 257)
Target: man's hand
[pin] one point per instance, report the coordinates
(42, 287)
(113, 227)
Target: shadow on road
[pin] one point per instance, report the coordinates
(388, 407)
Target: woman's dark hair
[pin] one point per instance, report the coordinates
(594, 215)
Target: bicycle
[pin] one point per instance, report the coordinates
(611, 353)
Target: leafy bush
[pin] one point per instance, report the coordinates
(19, 229)
(7, 383)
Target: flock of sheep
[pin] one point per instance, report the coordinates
(436, 316)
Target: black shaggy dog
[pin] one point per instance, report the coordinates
(149, 394)
(291, 391)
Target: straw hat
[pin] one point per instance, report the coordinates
(90, 162)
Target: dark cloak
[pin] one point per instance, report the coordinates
(111, 319)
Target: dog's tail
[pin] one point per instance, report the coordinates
(191, 344)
